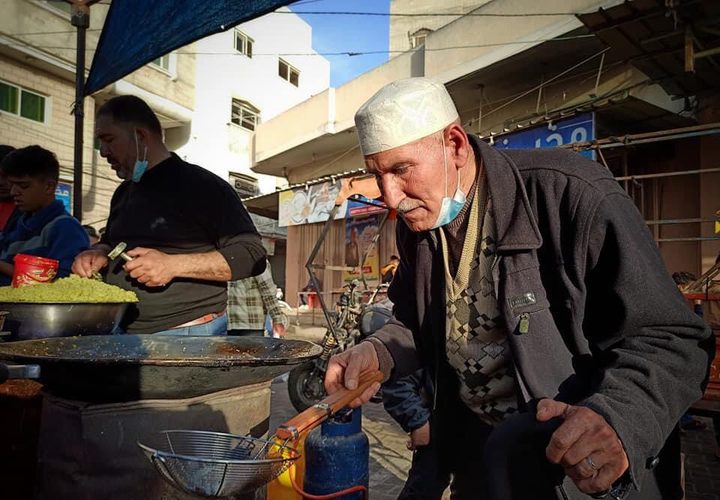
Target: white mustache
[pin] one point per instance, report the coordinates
(406, 206)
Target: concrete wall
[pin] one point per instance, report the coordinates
(222, 74)
(57, 134)
(483, 37)
(331, 112)
(37, 52)
(402, 27)
(443, 57)
(40, 24)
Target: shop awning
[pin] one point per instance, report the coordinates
(675, 43)
(137, 32)
(265, 205)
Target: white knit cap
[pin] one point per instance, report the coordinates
(402, 112)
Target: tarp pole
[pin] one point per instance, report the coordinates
(81, 20)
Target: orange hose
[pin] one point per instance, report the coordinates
(329, 496)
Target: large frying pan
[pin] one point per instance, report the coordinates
(132, 367)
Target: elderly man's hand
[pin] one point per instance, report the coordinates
(151, 267)
(90, 261)
(585, 445)
(344, 371)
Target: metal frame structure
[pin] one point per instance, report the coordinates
(312, 267)
(630, 181)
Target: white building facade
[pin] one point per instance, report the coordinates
(245, 76)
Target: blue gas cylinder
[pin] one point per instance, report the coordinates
(337, 456)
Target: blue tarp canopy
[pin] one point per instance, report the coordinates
(139, 31)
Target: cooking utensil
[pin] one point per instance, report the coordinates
(117, 368)
(214, 464)
(41, 320)
(18, 371)
(119, 251)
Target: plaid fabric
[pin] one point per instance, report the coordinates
(249, 300)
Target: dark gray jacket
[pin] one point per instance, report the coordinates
(608, 328)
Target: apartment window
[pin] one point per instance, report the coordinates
(418, 38)
(288, 72)
(244, 114)
(244, 185)
(22, 102)
(60, 5)
(162, 62)
(243, 43)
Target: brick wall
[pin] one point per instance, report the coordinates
(57, 134)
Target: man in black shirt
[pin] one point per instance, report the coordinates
(185, 228)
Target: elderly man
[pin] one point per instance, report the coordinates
(530, 288)
(186, 230)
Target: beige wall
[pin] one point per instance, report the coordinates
(178, 87)
(37, 52)
(38, 24)
(402, 27)
(57, 135)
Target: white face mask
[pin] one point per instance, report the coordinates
(450, 207)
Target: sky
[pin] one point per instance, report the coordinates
(347, 33)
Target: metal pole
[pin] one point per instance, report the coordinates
(668, 174)
(81, 20)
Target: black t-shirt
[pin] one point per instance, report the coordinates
(179, 208)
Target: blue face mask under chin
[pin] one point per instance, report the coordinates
(140, 165)
(450, 207)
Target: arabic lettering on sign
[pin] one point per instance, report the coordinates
(579, 128)
(63, 192)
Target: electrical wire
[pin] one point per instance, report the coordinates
(347, 53)
(536, 87)
(430, 14)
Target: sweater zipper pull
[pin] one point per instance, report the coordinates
(524, 323)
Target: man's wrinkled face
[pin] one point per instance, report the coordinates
(31, 194)
(412, 180)
(117, 145)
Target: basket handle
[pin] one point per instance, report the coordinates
(316, 414)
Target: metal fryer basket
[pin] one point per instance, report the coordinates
(216, 464)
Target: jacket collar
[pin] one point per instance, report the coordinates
(517, 227)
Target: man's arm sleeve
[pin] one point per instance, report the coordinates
(403, 400)
(267, 289)
(245, 254)
(653, 351)
(236, 238)
(67, 238)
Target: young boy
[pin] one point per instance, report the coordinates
(44, 228)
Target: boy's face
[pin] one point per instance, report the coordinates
(4, 188)
(31, 194)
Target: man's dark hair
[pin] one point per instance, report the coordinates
(31, 161)
(394, 257)
(133, 110)
(5, 150)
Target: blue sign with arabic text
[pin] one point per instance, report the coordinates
(579, 128)
(63, 192)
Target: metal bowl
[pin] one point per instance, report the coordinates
(41, 320)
